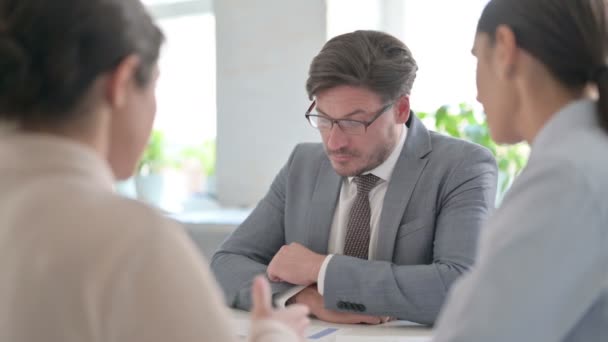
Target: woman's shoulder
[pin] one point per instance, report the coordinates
(93, 220)
(581, 152)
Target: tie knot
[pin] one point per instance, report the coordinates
(365, 183)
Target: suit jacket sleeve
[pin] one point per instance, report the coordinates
(417, 292)
(251, 247)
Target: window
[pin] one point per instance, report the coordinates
(177, 168)
(438, 32)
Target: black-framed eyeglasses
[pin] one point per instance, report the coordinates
(352, 127)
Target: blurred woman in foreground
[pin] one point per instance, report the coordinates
(78, 262)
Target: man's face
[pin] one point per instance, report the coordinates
(351, 155)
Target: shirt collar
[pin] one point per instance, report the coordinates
(384, 171)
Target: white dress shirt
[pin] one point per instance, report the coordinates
(80, 263)
(348, 193)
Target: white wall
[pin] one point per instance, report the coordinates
(264, 49)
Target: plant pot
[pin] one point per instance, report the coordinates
(149, 188)
(211, 185)
(126, 188)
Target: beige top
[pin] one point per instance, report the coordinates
(80, 263)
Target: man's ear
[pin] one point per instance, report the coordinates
(402, 105)
(505, 51)
(121, 80)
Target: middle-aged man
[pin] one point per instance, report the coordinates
(380, 219)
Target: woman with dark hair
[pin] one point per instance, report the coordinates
(78, 262)
(542, 267)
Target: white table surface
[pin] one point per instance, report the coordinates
(398, 331)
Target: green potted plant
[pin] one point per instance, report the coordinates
(149, 181)
(464, 122)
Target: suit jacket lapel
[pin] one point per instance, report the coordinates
(322, 207)
(404, 178)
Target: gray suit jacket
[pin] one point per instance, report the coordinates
(542, 271)
(441, 191)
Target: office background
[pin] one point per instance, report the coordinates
(231, 96)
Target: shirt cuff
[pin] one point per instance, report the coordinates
(281, 299)
(321, 277)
